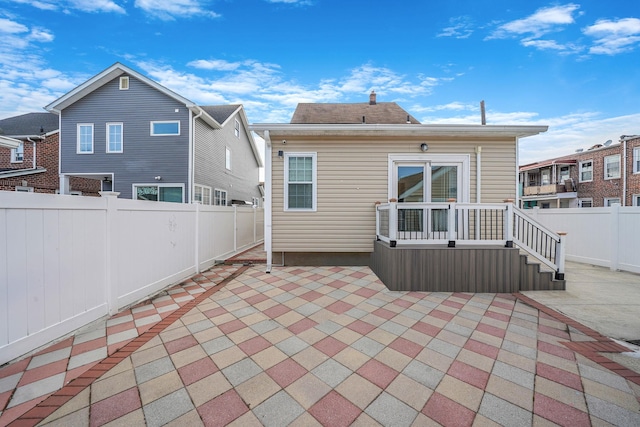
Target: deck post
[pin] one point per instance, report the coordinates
(451, 225)
(560, 253)
(393, 222)
(508, 223)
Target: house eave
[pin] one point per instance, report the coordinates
(8, 142)
(417, 130)
(21, 172)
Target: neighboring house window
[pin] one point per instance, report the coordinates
(24, 189)
(114, 137)
(564, 174)
(585, 203)
(255, 201)
(159, 192)
(165, 128)
(300, 181)
(227, 158)
(608, 201)
(17, 154)
(85, 138)
(586, 171)
(546, 176)
(237, 129)
(636, 160)
(202, 194)
(219, 197)
(635, 200)
(612, 167)
(124, 83)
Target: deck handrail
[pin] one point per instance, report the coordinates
(453, 224)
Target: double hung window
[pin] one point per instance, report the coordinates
(586, 171)
(17, 154)
(219, 197)
(85, 138)
(300, 181)
(114, 137)
(612, 167)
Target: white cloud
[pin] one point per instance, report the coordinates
(612, 37)
(214, 64)
(169, 10)
(91, 6)
(543, 21)
(460, 28)
(12, 27)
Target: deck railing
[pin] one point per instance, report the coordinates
(469, 223)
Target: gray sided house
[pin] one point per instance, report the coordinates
(146, 142)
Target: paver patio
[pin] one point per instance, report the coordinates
(330, 346)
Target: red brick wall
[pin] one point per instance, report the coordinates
(633, 180)
(46, 182)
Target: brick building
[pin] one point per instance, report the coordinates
(599, 176)
(33, 166)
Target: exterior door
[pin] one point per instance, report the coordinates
(424, 182)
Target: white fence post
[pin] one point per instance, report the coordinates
(451, 225)
(197, 236)
(615, 230)
(235, 228)
(393, 223)
(508, 225)
(111, 249)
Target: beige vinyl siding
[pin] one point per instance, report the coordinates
(499, 176)
(352, 176)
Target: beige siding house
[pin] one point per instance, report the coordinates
(327, 169)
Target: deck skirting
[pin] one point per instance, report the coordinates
(443, 269)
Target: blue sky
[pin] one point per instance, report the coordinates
(574, 66)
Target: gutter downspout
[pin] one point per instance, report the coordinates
(192, 149)
(624, 173)
(35, 164)
(517, 198)
(268, 209)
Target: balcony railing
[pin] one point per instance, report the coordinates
(469, 223)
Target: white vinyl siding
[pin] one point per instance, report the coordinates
(85, 138)
(115, 137)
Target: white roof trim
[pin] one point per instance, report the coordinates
(398, 130)
(7, 142)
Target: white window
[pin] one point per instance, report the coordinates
(227, 158)
(636, 160)
(237, 129)
(124, 83)
(202, 194)
(24, 189)
(255, 201)
(85, 138)
(586, 171)
(159, 192)
(608, 201)
(546, 176)
(219, 197)
(612, 167)
(165, 128)
(17, 154)
(114, 137)
(300, 181)
(585, 203)
(564, 174)
(635, 200)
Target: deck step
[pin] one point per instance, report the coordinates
(534, 277)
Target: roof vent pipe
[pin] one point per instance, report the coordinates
(372, 98)
(363, 120)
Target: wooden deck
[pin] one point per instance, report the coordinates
(461, 269)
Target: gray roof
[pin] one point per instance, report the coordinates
(30, 124)
(220, 112)
(377, 113)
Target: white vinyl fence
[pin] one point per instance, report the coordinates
(66, 261)
(606, 237)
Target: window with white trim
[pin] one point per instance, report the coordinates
(255, 201)
(219, 197)
(612, 167)
(635, 200)
(227, 158)
(114, 137)
(159, 192)
(202, 194)
(300, 181)
(85, 138)
(608, 201)
(17, 154)
(24, 189)
(236, 128)
(585, 203)
(165, 128)
(586, 170)
(124, 83)
(636, 160)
